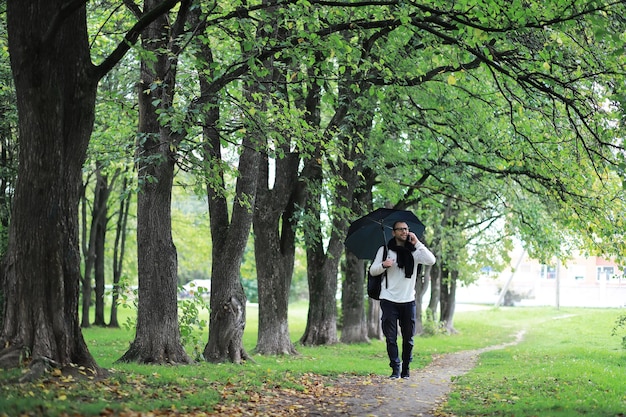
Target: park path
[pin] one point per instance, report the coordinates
(419, 396)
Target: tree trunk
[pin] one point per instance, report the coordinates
(421, 287)
(356, 326)
(157, 337)
(448, 297)
(118, 250)
(228, 300)
(56, 98)
(321, 326)
(99, 275)
(354, 329)
(322, 267)
(101, 201)
(354, 119)
(88, 248)
(374, 327)
(93, 249)
(274, 248)
(435, 291)
(274, 222)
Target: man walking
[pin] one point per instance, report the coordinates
(397, 296)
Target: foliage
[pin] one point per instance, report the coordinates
(431, 326)
(191, 233)
(497, 116)
(620, 323)
(128, 301)
(191, 323)
(478, 119)
(8, 139)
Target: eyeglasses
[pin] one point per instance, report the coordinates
(402, 229)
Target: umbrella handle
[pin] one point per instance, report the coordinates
(382, 229)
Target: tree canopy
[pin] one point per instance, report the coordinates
(489, 119)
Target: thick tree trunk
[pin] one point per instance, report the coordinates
(8, 160)
(322, 267)
(374, 314)
(421, 287)
(356, 125)
(56, 98)
(157, 337)
(321, 326)
(274, 248)
(354, 329)
(227, 319)
(274, 223)
(228, 300)
(435, 291)
(448, 301)
(99, 276)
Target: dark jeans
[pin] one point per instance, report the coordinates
(404, 314)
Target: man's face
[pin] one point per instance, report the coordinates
(401, 231)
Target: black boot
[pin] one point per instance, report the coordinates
(405, 371)
(395, 374)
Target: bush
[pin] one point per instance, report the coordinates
(620, 322)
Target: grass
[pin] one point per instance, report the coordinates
(567, 365)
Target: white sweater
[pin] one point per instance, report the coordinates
(397, 287)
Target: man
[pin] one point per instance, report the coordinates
(397, 296)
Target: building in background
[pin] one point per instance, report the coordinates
(578, 282)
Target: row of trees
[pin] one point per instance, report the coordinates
(489, 119)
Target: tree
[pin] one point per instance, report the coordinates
(157, 337)
(228, 300)
(275, 208)
(93, 245)
(354, 324)
(119, 247)
(110, 157)
(229, 232)
(524, 113)
(56, 85)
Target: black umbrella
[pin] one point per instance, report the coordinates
(372, 231)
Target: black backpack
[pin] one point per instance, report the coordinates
(375, 282)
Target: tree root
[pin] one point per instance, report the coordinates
(38, 367)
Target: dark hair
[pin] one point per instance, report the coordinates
(398, 221)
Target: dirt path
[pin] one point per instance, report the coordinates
(419, 396)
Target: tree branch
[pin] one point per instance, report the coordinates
(131, 37)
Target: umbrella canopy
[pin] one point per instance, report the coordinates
(370, 232)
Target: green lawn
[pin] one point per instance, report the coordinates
(567, 365)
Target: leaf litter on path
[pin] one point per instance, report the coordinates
(365, 396)
(342, 395)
